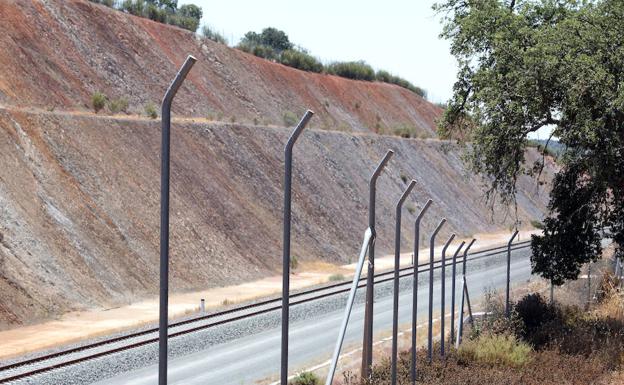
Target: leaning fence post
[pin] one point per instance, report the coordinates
(443, 292)
(431, 253)
(395, 294)
(464, 290)
(286, 246)
(347, 314)
(453, 289)
(163, 323)
(509, 272)
(367, 345)
(415, 286)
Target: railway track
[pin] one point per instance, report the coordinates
(75, 355)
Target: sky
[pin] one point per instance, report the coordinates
(400, 36)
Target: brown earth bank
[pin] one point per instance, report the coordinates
(79, 204)
(58, 53)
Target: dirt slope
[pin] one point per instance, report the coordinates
(79, 201)
(57, 53)
(79, 194)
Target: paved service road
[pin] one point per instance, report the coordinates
(256, 357)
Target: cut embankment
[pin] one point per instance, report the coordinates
(80, 205)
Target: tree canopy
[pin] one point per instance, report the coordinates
(527, 64)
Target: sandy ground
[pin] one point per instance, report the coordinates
(73, 327)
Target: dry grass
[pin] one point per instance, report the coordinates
(541, 344)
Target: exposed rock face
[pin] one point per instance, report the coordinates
(57, 53)
(79, 198)
(79, 193)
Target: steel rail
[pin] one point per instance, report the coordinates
(407, 272)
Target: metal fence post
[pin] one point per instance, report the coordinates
(415, 286)
(509, 272)
(453, 289)
(367, 344)
(460, 330)
(286, 246)
(163, 323)
(431, 253)
(395, 294)
(588, 286)
(443, 293)
(345, 320)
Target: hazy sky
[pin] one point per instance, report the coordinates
(399, 36)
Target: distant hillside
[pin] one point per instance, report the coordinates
(56, 54)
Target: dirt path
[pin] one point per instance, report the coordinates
(73, 327)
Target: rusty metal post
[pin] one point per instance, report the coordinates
(453, 290)
(367, 343)
(395, 293)
(415, 287)
(163, 323)
(286, 246)
(431, 254)
(443, 293)
(507, 309)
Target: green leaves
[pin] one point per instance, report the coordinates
(529, 64)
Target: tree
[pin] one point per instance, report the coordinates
(269, 44)
(168, 5)
(276, 39)
(524, 65)
(191, 11)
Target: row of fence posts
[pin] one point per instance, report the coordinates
(368, 247)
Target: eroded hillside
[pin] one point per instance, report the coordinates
(80, 204)
(79, 193)
(58, 53)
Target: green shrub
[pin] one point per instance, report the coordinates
(405, 131)
(357, 70)
(301, 60)
(98, 101)
(336, 277)
(305, 378)
(294, 262)
(492, 349)
(535, 315)
(290, 119)
(262, 51)
(387, 77)
(118, 105)
(537, 224)
(210, 34)
(150, 110)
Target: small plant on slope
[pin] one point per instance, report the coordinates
(98, 101)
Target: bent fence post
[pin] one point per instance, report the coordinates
(286, 246)
(443, 293)
(453, 290)
(163, 323)
(367, 343)
(460, 330)
(345, 319)
(415, 287)
(395, 293)
(431, 253)
(508, 272)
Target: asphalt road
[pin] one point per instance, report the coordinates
(256, 357)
